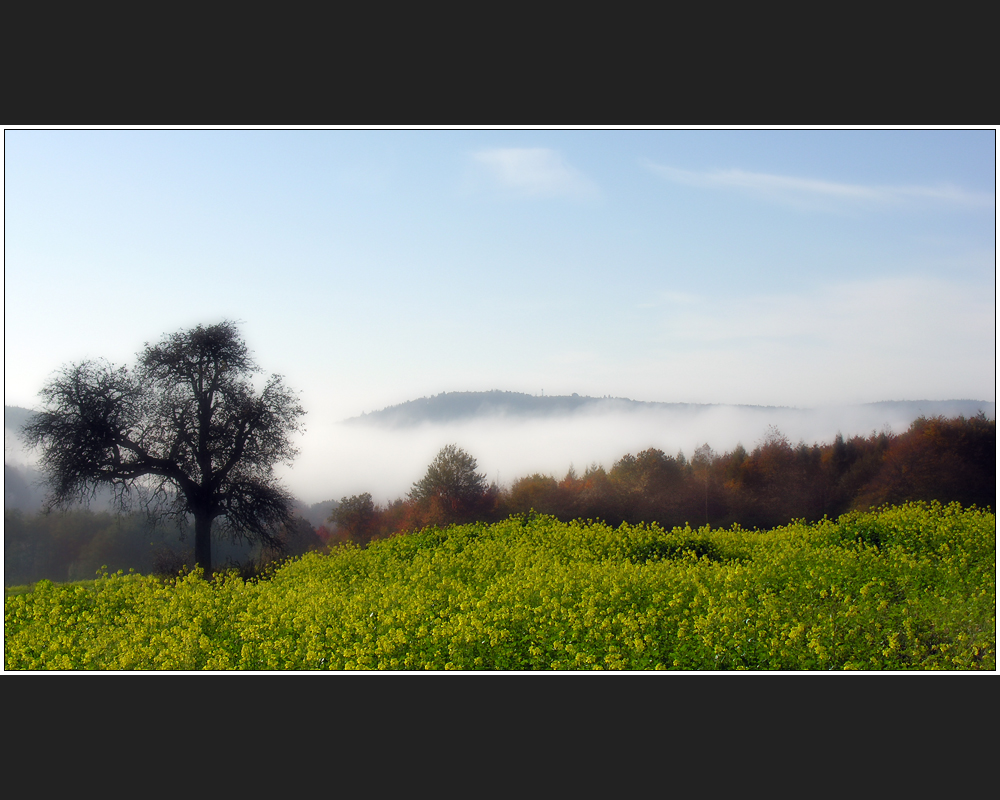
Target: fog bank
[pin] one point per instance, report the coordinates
(339, 459)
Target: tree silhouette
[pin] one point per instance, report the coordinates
(183, 433)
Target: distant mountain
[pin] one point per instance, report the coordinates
(15, 416)
(938, 408)
(457, 406)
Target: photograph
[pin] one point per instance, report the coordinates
(500, 399)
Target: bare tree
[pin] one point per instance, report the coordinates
(183, 433)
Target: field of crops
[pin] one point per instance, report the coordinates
(908, 587)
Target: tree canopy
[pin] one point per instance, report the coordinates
(185, 432)
(452, 490)
(356, 516)
(452, 476)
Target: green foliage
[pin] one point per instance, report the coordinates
(451, 476)
(356, 516)
(451, 491)
(903, 588)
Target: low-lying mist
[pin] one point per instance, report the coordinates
(342, 459)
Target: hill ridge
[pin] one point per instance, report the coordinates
(455, 406)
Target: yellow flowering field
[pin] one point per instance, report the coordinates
(903, 588)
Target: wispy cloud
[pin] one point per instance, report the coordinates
(886, 338)
(902, 312)
(812, 191)
(536, 172)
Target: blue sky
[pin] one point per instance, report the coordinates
(779, 267)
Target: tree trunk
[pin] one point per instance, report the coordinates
(203, 542)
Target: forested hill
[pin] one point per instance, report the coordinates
(14, 417)
(455, 406)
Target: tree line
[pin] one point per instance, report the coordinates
(936, 459)
(949, 460)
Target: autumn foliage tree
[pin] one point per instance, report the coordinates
(649, 486)
(356, 517)
(452, 490)
(937, 459)
(534, 493)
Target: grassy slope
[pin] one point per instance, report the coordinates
(911, 587)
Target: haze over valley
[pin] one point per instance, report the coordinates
(513, 435)
(382, 455)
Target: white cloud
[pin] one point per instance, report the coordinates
(536, 172)
(812, 191)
